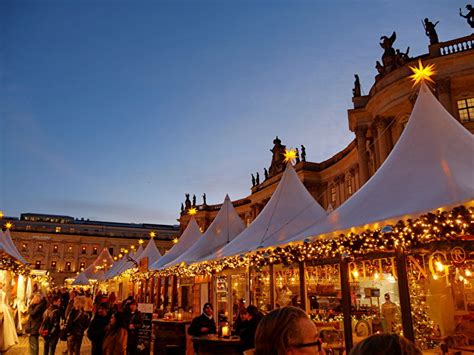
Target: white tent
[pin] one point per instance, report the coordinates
(151, 252)
(112, 272)
(190, 236)
(81, 279)
(290, 211)
(431, 166)
(130, 261)
(96, 270)
(225, 227)
(7, 245)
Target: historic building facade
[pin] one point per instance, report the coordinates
(64, 245)
(377, 121)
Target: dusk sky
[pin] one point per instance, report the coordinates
(113, 110)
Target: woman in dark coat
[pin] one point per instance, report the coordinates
(76, 324)
(115, 342)
(97, 329)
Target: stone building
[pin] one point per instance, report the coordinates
(64, 245)
(377, 121)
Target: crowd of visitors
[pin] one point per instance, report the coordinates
(61, 315)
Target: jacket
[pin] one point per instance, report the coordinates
(97, 328)
(77, 323)
(52, 316)
(202, 321)
(115, 344)
(35, 313)
(136, 320)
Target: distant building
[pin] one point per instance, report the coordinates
(377, 120)
(64, 245)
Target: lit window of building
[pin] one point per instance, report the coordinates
(53, 265)
(40, 247)
(38, 265)
(55, 248)
(82, 265)
(58, 229)
(68, 266)
(466, 109)
(349, 187)
(83, 250)
(94, 251)
(69, 248)
(333, 195)
(28, 227)
(24, 247)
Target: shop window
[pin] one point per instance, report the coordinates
(94, 251)
(58, 229)
(53, 265)
(82, 266)
(260, 289)
(222, 298)
(40, 247)
(38, 265)
(83, 250)
(287, 286)
(466, 109)
(68, 266)
(55, 248)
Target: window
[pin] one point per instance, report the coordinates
(24, 247)
(55, 248)
(69, 248)
(83, 250)
(38, 265)
(58, 229)
(68, 266)
(466, 109)
(40, 247)
(94, 251)
(53, 265)
(28, 227)
(349, 187)
(82, 265)
(333, 195)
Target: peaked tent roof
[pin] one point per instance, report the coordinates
(129, 264)
(7, 245)
(290, 211)
(91, 272)
(190, 236)
(431, 166)
(151, 252)
(225, 227)
(81, 279)
(115, 267)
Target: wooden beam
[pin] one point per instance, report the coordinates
(346, 303)
(404, 293)
(303, 289)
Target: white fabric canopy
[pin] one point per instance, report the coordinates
(225, 227)
(81, 279)
(129, 264)
(290, 211)
(431, 166)
(190, 236)
(115, 267)
(104, 260)
(151, 252)
(7, 245)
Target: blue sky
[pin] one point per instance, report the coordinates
(113, 110)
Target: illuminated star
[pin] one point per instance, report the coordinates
(290, 155)
(1, 214)
(175, 240)
(152, 234)
(192, 211)
(141, 241)
(8, 225)
(422, 74)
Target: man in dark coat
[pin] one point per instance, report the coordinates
(133, 319)
(52, 321)
(248, 327)
(76, 324)
(203, 324)
(96, 332)
(35, 311)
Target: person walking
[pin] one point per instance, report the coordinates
(76, 325)
(51, 326)
(115, 342)
(133, 319)
(35, 312)
(97, 329)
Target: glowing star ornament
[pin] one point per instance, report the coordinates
(175, 240)
(141, 241)
(1, 214)
(8, 225)
(290, 155)
(422, 74)
(152, 234)
(192, 211)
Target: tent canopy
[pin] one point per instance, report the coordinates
(190, 236)
(7, 245)
(290, 211)
(81, 279)
(151, 252)
(431, 166)
(225, 227)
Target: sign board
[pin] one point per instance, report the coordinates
(144, 333)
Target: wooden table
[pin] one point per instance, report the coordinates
(169, 333)
(212, 344)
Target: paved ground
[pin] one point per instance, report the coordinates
(23, 346)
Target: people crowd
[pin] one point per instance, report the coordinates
(111, 327)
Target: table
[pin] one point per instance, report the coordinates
(169, 333)
(212, 344)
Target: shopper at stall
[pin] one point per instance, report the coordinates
(97, 329)
(76, 325)
(36, 309)
(385, 344)
(115, 342)
(287, 331)
(133, 319)
(51, 325)
(203, 324)
(248, 327)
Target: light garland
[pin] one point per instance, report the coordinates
(428, 229)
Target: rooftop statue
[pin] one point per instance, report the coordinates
(253, 180)
(204, 199)
(356, 90)
(469, 16)
(265, 173)
(194, 200)
(257, 180)
(430, 30)
(303, 153)
(391, 58)
(187, 202)
(278, 159)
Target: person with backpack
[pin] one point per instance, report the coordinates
(97, 329)
(36, 309)
(51, 326)
(76, 325)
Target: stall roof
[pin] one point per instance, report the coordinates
(129, 264)
(290, 211)
(81, 279)
(7, 245)
(431, 166)
(104, 259)
(151, 252)
(225, 227)
(190, 236)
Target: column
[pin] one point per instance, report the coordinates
(376, 147)
(360, 133)
(383, 130)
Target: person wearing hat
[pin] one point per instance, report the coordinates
(203, 324)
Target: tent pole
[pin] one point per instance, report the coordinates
(346, 302)
(272, 286)
(404, 292)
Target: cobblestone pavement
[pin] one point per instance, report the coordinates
(23, 346)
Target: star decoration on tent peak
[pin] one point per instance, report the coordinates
(290, 155)
(192, 211)
(422, 73)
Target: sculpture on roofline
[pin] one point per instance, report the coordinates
(265, 173)
(303, 153)
(194, 200)
(297, 156)
(430, 30)
(469, 16)
(257, 180)
(391, 58)
(356, 92)
(253, 180)
(204, 199)
(187, 202)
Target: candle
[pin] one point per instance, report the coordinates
(180, 316)
(225, 331)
